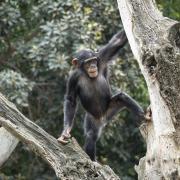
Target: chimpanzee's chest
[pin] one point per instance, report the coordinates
(94, 94)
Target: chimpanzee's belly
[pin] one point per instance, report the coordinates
(95, 95)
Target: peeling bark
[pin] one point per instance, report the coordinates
(69, 161)
(155, 42)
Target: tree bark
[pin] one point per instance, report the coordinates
(69, 161)
(155, 43)
(7, 145)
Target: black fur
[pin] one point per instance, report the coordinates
(95, 94)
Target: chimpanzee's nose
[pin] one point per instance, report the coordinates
(93, 66)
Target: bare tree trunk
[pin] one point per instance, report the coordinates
(155, 42)
(69, 161)
(8, 143)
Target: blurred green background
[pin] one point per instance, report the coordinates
(38, 39)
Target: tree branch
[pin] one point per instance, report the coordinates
(69, 161)
(7, 145)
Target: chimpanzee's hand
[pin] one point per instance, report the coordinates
(119, 39)
(65, 136)
(148, 115)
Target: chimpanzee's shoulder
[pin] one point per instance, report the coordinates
(74, 75)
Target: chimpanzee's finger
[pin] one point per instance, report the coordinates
(67, 136)
(62, 140)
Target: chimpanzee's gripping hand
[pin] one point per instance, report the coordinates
(147, 115)
(65, 136)
(118, 39)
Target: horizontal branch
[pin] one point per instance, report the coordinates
(69, 161)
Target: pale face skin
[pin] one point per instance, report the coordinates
(93, 73)
(91, 68)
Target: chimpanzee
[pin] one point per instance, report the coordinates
(89, 82)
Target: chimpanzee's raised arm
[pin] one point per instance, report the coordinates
(115, 44)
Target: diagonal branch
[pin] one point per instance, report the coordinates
(69, 161)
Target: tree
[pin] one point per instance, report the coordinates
(155, 42)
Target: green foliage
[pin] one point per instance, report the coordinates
(38, 39)
(170, 8)
(15, 87)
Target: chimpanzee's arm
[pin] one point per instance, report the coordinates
(70, 102)
(115, 44)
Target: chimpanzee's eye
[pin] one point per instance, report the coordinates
(94, 61)
(88, 63)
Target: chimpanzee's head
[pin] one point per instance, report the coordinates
(87, 61)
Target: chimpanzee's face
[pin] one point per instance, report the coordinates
(91, 67)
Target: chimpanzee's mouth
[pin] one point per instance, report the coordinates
(93, 70)
(93, 73)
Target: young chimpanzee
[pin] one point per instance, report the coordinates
(89, 82)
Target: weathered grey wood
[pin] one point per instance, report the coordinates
(155, 42)
(8, 143)
(69, 161)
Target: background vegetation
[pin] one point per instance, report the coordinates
(38, 39)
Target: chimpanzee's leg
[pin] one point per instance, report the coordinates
(120, 101)
(92, 131)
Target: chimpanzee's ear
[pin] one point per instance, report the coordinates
(75, 62)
